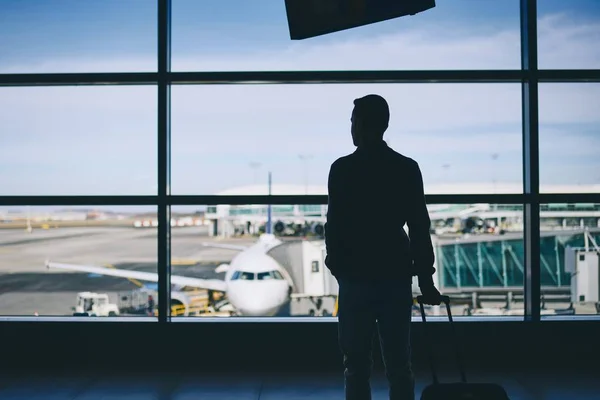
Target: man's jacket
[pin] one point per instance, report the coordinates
(373, 193)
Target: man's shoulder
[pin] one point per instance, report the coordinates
(341, 161)
(404, 160)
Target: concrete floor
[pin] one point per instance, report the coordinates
(519, 386)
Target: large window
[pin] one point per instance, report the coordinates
(569, 135)
(84, 140)
(237, 35)
(568, 34)
(296, 132)
(95, 261)
(569, 255)
(144, 147)
(40, 36)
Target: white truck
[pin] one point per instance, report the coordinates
(94, 305)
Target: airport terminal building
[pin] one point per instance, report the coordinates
(229, 220)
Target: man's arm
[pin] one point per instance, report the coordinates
(419, 224)
(334, 223)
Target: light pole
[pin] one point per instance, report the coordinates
(304, 158)
(446, 167)
(494, 158)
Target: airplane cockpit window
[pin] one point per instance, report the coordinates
(236, 275)
(276, 275)
(264, 276)
(247, 276)
(261, 276)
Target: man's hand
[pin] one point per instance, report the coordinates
(430, 293)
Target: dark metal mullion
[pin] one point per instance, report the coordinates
(78, 200)
(164, 173)
(546, 198)
(69, 79)
(531, 176)
(75, 200)
(322, 77)
(570, 75)
(133, 200)
(296, 77)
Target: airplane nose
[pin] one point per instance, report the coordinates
(262, 301)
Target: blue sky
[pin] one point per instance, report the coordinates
(102, 140)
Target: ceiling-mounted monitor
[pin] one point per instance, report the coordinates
(310, 18)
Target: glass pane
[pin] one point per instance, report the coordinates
(214, 249)
(225, 138)
(569, 137)
(568, 34)
(569, 254)
(78, 140)
(229, 35)
(479, 257)
(40, 36)
(478, 248)
(61, 261)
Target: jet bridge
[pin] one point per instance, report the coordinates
(583, 264)
(315, 290)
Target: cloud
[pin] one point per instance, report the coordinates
(422, 49)
(566, 42)
(77, 140)
(569, 103)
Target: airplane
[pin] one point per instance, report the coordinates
(255, 284)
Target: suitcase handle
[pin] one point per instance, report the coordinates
(459, 357)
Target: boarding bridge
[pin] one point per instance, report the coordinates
(583, 264)
(480, 269)
(315, 289)
(497, 261)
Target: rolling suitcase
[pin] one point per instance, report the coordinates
(460, 390)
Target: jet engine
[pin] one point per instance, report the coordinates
(279, 227)
(317, 229)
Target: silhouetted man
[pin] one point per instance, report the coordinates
(373, 193)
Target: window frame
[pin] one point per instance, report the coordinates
(529, 76)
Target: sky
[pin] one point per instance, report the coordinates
(102, 140)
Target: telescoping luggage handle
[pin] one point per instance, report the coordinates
(445, 300)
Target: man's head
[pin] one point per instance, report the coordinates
(370, 119)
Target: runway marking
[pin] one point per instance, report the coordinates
(184, 262)
(190, 263)
(134, 281)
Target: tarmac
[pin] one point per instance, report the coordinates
(27, 287)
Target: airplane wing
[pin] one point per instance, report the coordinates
(208, 284)
(224, 246)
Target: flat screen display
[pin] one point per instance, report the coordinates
(310, 18)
